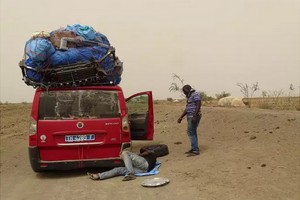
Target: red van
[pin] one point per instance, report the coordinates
(87, 126)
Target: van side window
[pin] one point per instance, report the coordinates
(138, 115)
(138, 104)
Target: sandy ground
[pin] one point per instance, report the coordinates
(245, 154)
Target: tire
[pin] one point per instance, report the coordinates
(159, 150)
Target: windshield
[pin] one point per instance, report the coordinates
(78, 104)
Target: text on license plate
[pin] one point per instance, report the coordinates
(79, 138)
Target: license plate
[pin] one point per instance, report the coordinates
(79, 138)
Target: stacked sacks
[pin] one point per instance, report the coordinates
(48, 55)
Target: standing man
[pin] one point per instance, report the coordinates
(193, 113)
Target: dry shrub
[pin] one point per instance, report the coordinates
(169, 99)
(276, 103)
(265, 105)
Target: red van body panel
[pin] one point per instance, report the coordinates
(86, 141)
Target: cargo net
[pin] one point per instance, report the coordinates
(76, 74)
(72, 56)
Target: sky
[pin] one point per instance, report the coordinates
(212, 45)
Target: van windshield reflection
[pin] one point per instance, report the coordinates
(79, 104)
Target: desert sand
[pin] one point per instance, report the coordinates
(246, 153)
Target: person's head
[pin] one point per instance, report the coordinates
(186, 89)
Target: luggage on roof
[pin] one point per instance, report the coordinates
(72, 56)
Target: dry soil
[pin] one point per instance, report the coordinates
(245, 154)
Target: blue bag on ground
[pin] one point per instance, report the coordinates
(39, 49)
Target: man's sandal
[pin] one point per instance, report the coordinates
(129, 177)
(188, 152)
(193, 153)
(93, 176)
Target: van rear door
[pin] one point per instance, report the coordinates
(140, 115)
(76, 125)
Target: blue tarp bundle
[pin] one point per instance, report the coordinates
(39, 50)
(41, 53)
(154, 171)
(74, 55)
(88, 33)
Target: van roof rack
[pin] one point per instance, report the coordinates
(73, 75)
